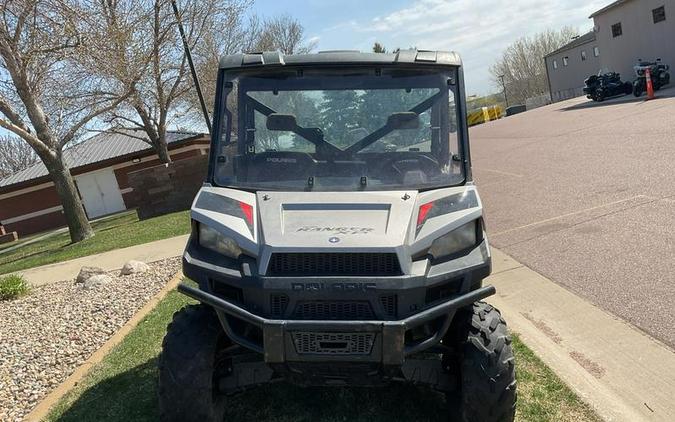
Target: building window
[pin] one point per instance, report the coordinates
(566, 61)
(616, 30)
(555, 64)
(596, 51)
(659, 14)
(583, 55)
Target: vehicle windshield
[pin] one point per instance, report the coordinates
(355, 129)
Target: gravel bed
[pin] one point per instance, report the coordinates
(46, 335)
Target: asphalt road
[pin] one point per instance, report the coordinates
(584, 193)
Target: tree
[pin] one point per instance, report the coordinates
(378, 48)
(164, 86)
(285, 34)
(15, 155)
(49, 95)
(522, 64)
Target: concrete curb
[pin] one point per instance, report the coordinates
(42, 409)
(623, 373)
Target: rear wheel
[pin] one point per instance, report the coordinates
(190, 366)
(484, 359)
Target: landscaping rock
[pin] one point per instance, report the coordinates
(44, 336)
(87, 272)
(96, 280)
(133, 267)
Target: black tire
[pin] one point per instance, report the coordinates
(637, 90)
(188, 364)
(600, 96)
(484, 359)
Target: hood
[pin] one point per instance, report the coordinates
(326, 220)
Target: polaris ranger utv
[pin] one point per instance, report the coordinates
(338, 239)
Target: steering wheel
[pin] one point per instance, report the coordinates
(403, 164)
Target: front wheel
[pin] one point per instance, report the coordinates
(487, 373)
(190, 366)
(637, 89)
(600, 96)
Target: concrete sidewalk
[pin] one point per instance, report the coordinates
(111, 260)
(623, 373)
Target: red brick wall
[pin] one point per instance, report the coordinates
(30, 202)
(26, 203)
(37, 224)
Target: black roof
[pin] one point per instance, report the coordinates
(584, 39)
(340, 57)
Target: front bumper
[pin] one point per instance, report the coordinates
(420, 308)
(388, 337)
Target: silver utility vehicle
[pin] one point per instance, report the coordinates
(338, 239)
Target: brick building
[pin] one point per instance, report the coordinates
(100, 167)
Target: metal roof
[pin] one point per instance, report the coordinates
(584, 39)
(608, 7)
(340, 57)
(101, 147)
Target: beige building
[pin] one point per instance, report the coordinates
(570, 65)
(623, 32)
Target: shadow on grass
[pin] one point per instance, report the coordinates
(132, 395)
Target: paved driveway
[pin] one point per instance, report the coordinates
(584, 193)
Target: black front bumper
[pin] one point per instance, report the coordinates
(388, 345)
(423, 308)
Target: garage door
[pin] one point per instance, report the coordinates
(100, 193)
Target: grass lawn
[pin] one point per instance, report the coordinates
(124, 388)
(114, 232)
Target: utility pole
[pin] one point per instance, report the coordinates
(501, 77)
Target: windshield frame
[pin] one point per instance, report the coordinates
(223, 120)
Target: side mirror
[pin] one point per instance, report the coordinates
(282, 122)
(404, 120)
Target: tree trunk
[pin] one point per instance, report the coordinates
(163, 152)
(78, 224)
(161, 145)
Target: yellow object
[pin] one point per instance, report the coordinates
(484, 114)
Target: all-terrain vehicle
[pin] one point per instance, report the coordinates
(659, 74)
(339, 239)
(606, 85)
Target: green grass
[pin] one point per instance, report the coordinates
(124, 388)
(13, 286)
(115, 232)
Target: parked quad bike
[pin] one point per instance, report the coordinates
(659, 72)
(606, 85)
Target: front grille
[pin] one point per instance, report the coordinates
(389, 305)
(334, 310)
(334, 264)
(278, 304)
(333, 343)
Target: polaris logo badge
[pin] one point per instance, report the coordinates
(336, 287)
(282, 160)
(337, 230)
(334, 240)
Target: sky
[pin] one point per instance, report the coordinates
(479, 30)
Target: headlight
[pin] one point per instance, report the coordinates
(213, 240)
(457, 240)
